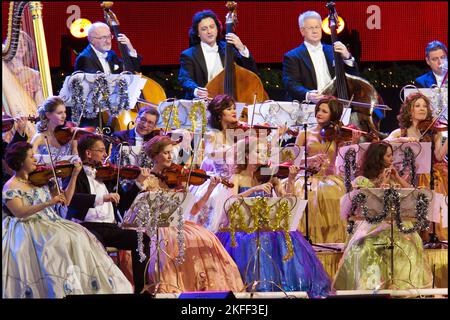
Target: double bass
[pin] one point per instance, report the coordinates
(153, 92)
(234, 80)
(345, 86)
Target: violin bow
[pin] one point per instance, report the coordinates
(52, 164)
(432, 123)
(118, 167)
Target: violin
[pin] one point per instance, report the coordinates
(69, 131)
(340, 133)
(431, 127)
(280, 171)
(106, 172)
(176, 174)
(44, 173)
(8, 121)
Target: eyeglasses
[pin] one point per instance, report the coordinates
(312, 28)
(104, 38)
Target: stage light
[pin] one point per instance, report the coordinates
(79, 28)
(326, 28)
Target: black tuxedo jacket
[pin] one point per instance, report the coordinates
(83, 200)
(299, 75)
(194, 73)
(87, 61)
(426, 80)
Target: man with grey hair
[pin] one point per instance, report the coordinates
(98, 56)
(310, 67)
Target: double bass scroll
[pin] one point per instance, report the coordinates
(234, 80)
(345, 85)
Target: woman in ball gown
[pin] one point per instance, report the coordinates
(417, 108)
(366, 265)
(44, 255)
(207, 266)
(287, 260)
(327, 188)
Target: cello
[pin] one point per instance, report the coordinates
(344, 86)
(234, 80)
(153, 92)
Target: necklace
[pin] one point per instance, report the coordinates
(23, 180)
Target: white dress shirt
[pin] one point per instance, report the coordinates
(319, 61)
(103, 211)
(213, 62)
(102, 57)
(439, 79)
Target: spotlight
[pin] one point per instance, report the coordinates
(79, 28)
(340, 25)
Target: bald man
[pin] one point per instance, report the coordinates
(98, 56)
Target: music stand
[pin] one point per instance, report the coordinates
(89, 94)
(151, 211)
(249, 216)
(374, 204)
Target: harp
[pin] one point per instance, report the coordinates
(26, 80)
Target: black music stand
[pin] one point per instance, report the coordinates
(306, 235)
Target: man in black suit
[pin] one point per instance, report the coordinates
(98, 56)
(310, 67)
(134, 139)
(436, 57)
(95, 205)
(206, 56)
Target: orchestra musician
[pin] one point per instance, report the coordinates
(205, 57)
(326, 187)
(52, 113)
(134, 139)
(302, 271)
(44, 255)
(310, 67)
(207, 265)
(98, 56)
(416, 112)
(97, 206)
(363, 266)
(436, 56)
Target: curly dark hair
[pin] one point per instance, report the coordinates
(199, 16)
(373, 160)
(49, 105)
(16, 154)
(335, 107)
(404, 117)
(216, 107)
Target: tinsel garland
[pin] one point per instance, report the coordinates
(100, 97)
(409, 161)
(260, 214)
(358, 200)
(422, 204)
(150, 217)
(197, 107)
(349, 168)
(175, 119)
(124, 102)
(391, 203)
(78, 102)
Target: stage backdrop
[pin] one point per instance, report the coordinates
(388, 31)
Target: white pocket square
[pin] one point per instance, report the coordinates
(116, 66)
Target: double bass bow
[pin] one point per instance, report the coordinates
(344, 86)
(234, 80)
